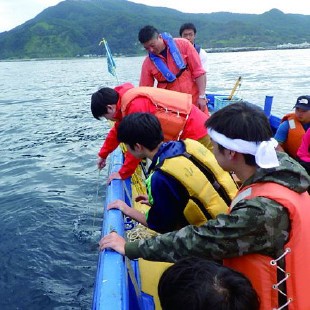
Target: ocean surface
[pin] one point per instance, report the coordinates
(51, 194)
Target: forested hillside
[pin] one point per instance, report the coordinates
(75, 27)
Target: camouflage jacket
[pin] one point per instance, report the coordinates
(259, 225)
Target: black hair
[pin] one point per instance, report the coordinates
(147, 33)
(142, 128)
(194, 283)
(241, 120)
(100, 99)
(187, 26)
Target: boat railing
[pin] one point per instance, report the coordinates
(116, 284)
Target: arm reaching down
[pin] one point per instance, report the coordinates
(131, 212)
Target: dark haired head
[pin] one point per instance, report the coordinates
(100, 99)
(142, 128)
(187, 26)
(241, 120)
(198, 284)
(147, 33)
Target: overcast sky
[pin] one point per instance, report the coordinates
(16, 12)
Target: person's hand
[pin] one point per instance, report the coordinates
(113, 241)
(101, 162)
(143, 199)
(113, 176)
(202, 103)
(118, 204)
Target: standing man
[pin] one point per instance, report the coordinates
(266, 234)
(174, 64)
(188, 31)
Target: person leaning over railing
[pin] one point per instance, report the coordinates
(266, 234)
(179, 118)
(185, 185)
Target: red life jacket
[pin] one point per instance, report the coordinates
(295, 133)
(261, 269)
(172, 108)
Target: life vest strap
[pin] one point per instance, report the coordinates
(177, 75)
(210, 176)
(177, 58)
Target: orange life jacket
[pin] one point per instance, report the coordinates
(261, 269)
(295, 133)
(172, 108)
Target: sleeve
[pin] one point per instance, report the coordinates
(203, 59)
(249, 229)
(169, 197)
(193, 59)
(129, 166)
(282, 132)
(140, 104)
(110, 143)
(304, 150)
(146, 77)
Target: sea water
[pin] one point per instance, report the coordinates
(51, 195)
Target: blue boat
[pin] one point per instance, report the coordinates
(122, 284)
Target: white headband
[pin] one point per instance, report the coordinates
(264, 152)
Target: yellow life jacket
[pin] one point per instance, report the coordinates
(210, 188)
(172, 108)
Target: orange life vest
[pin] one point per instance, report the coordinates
(261, 269)
(295, 133)
(172, 108)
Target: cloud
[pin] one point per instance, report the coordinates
(236, 6)
(16, 12)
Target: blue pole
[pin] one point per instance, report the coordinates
(268, 105)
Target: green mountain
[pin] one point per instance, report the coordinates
(75, 27)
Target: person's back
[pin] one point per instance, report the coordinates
(178, 117)
(187, 186)
(293, 126)
(196, 284)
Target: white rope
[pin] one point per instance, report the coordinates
(287, 275)
(140, 232)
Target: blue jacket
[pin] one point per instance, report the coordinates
(167, 195)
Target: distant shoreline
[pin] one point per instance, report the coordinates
(249, 49)
(208, 50)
